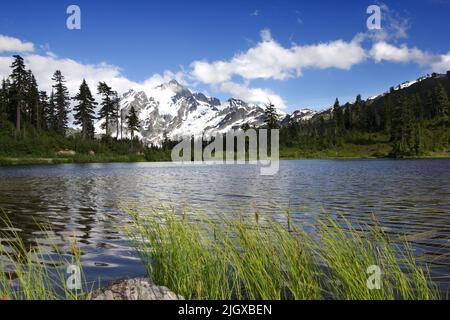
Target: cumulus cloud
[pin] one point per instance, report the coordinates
(9, 44)
(270, 60)
(443, 64)
(383, 51)
(252, 95)
(43, 67)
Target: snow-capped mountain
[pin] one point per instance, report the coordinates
(176, 111)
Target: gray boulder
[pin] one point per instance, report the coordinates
(135, 289)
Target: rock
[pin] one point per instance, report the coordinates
(135, 289)
(92, 153)
(66, 153)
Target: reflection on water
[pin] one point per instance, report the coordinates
(406, 197)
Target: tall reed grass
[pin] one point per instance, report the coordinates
(29, 272)
(240, 259)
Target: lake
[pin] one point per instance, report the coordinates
(410, 197)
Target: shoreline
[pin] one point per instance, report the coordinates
(30, 161)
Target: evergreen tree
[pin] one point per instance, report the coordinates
(108, 111)
(430, 105)
(338, 118)
(272, 119)
(405, 132)
(132, 122)
(84, 111)
(62, 102)
(387, 112)
(357, 119)
(18, 89)
(46, 114)
(417, 107)
(441, 100)
(348, 116)
(52, 113)
(32, 101)
(4, 102)
(117, 113)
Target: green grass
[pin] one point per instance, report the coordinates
(232, 258)
(241, 259)
(32, 273)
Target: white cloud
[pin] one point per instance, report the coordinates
(43, 67)
(9, 44)
(252, 95)
(383, 51)
(394, 26)
(270, 60)
(443, 65)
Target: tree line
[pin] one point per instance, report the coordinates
(21, 102)
(415, 120)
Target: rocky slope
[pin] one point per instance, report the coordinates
(173, 110)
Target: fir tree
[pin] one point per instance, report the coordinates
(52, 113)
(357, 119)
(132, 122)
(338, 118)
(46, 114)
(18, 89)
(4, 102)
(108, 111)
(272, 119)
(441, 100)
(62, 102)
(348, 116)
(32, 100)
(387, 112)
(84, 111)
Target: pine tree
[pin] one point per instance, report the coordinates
(32, 100)
(4, 102)
(84, 111)
(62, 102)
(46, 114)
(117, 113)
(348, 116)
(18, 89)
(338, 118)
(132, 122)
(430, 105)
(52, 113)
(387, 112)
(405, 131)
(108, 110)
(272, 119)
(441, 100)
(417, 107)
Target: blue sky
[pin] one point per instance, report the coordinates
(297, 53)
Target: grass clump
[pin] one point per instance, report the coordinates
(240, 259)
(29, 272)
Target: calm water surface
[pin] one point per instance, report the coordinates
(406, 197)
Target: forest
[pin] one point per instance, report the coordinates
(405, 122)
(34, 125)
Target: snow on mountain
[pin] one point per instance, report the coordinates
(174, 110)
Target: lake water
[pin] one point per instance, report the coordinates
(409, 197)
